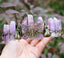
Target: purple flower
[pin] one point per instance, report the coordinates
(12, 37)
(24, 25)
(5, 29)
(53, 34)
(4, 39)
(62, 48)
(9, 31)
(40, 36)
(39, 20)
(12, 27)
(55, 56)
(39, 23)
(43, 56)
(57, 24)
(49, 55)
(59, 44)
(51, 24)
(7, 37)
(24, 22)
(25, 37)
(54, 25)
(30, 20)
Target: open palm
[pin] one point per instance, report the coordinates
(22, 48)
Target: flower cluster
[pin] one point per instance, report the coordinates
(9, 31)
(29, 29)
(54, 27)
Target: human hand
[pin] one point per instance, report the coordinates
(22, 48)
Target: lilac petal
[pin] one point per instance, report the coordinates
(5, 29)
(25, 37)
(12, 27)
(51, 24)
(59, 44)
(30, 21)
(57, 24)
(39, 23)
(12, 37)
(53, 34)
(40, 36)
(60, 26)
(24, 25)
(39, 20)
(4, 39)
(55, 56)
(24, 28)
(39, 27)
(24, 22)
(43, 56)
(49, 55)
(62, 48)
(57, 34)
(7, 38)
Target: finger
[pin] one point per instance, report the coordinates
(35, 41)
(43, 26)
(28, 40)
(41, 45)
(23, 42)
(11, 50)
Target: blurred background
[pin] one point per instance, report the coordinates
(16, 10)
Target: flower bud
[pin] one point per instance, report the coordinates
(16, 36)
(19, 37)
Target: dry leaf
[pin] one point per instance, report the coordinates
(4, 5)
(10, 11)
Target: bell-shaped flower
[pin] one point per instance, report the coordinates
(5, 29)
(12, 37)
(40, 36)
(24, 25)
(4, 39)
(39, 24)
(51, 24)
(39, 20)
(7, 37)
(12, 27)
(25, 37)
(30, 21)
(57, 24)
